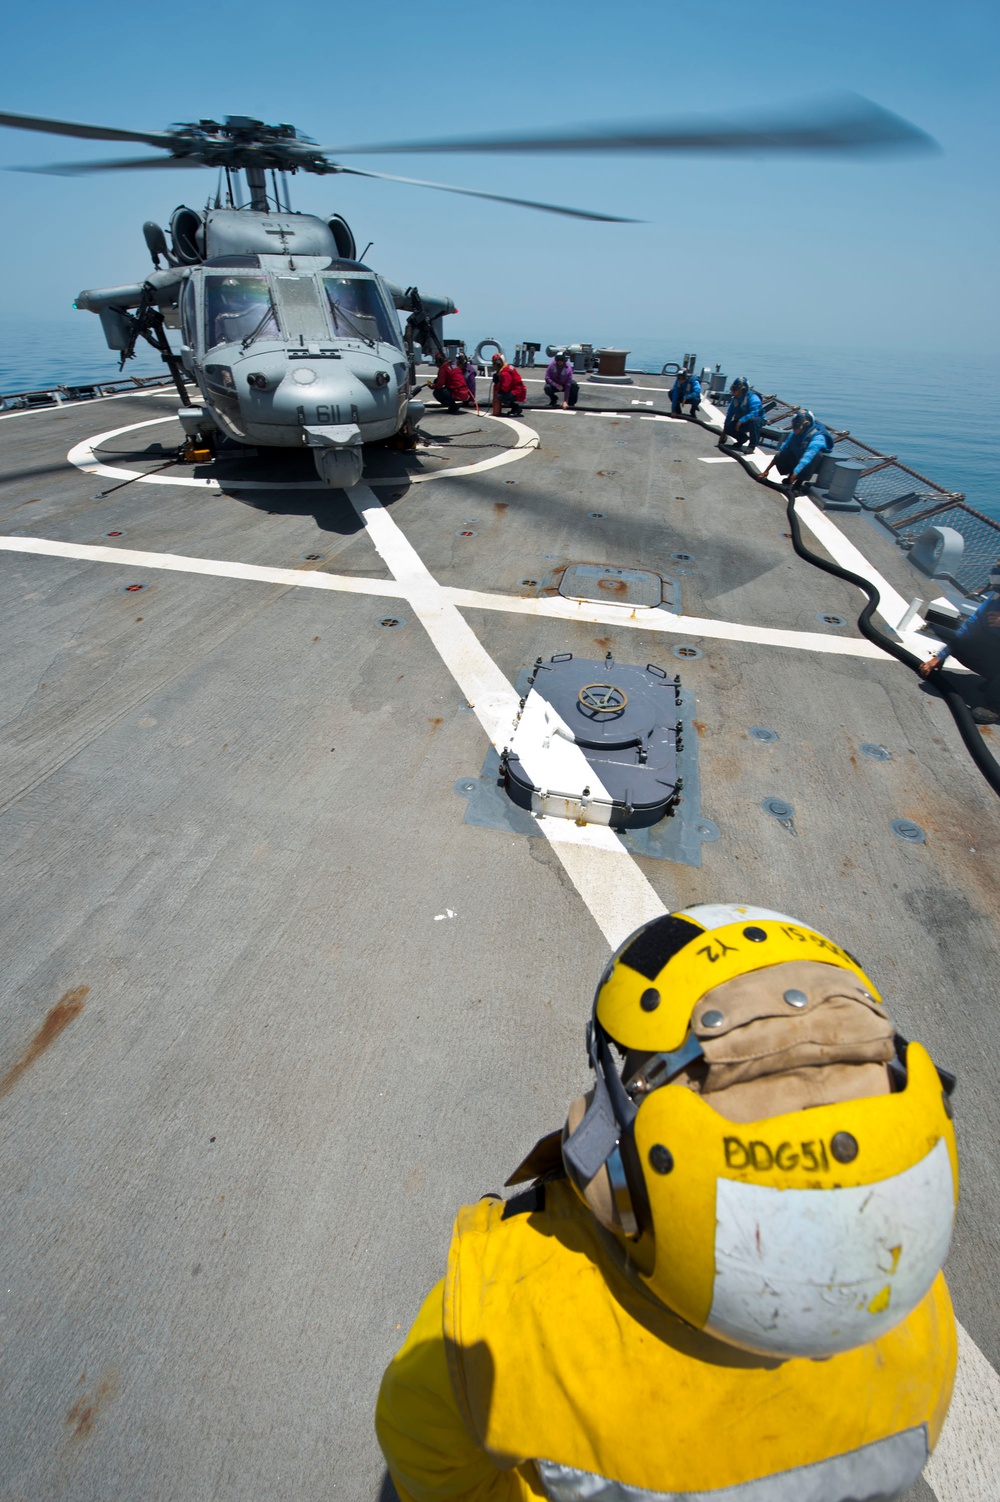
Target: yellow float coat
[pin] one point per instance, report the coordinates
(541, 1355)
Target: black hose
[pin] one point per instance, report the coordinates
(960, 712)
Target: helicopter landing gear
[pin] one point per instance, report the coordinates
(199, 435)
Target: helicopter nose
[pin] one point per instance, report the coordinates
(313, 390)
(335, 393)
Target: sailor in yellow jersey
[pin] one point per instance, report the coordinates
(724, 1281)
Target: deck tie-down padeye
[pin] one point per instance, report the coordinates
(596, 742)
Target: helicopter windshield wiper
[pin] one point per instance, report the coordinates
(338, 311)
(268, 313)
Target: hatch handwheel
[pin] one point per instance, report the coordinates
(602, 698)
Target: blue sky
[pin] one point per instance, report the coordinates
(878, 254)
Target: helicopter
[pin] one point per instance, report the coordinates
(293, 341)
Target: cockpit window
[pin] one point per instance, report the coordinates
(357, 309)
(188, 312)
(301, 307)
(237, 307)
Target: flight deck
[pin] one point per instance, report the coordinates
(278, 1000)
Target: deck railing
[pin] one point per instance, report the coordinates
(905, 502)
(53, 396)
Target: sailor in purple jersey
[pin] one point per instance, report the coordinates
(559, 382)
(468, 369)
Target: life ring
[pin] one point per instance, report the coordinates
(483, 343)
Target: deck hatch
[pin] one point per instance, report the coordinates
(597, 742)
(617, 586)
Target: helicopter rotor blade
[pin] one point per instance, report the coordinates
(85, 132)
(524, 203)
(847, 126)
(122, 164)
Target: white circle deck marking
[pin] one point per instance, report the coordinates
(83, 456)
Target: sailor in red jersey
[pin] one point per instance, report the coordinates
(509, 386)
(449, 387)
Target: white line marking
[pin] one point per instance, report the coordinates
(659, 621)
(716, 459)
(84, 457)
(528, 441)
(966, 1463)
(214, 567)
(713, 414)
(614, 889)
(663, 622)
(892, 606)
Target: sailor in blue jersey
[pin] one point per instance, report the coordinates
(798, 457)
(686, 388)
(976, 644)
(745, 417)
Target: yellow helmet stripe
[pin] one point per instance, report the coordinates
(708, 958)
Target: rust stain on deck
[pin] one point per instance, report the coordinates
(61, 1015)
(87, 1410)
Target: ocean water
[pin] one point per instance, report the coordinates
(939, 414)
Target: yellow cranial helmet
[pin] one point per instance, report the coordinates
(781, 1162)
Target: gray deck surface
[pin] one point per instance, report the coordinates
(229, 814)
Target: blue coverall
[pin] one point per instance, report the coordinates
(801, 451)
(685, 390)
(745, 418)
(976, 644)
